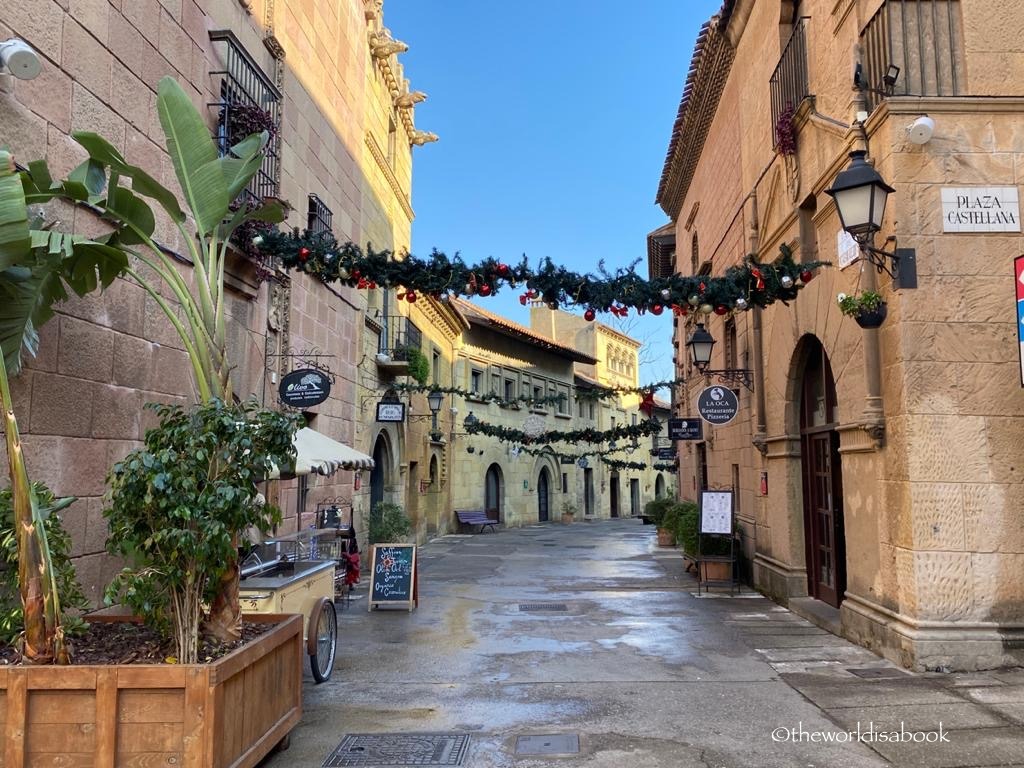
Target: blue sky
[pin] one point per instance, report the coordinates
(554, 118)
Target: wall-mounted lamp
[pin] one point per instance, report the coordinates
(860, 194)
(701, 343)
(468, 423)
(435, 400)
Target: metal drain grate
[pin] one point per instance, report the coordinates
(549, 744)
(531, 607)
(406, 749)
(874, 673)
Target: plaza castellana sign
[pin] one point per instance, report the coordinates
(717, 405)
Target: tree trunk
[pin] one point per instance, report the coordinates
(225, 621)
(43, 641)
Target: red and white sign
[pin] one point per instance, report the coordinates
(1018, 273)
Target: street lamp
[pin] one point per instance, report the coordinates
(435, 399)
(468, 423)
(701, 343)
(860, 194)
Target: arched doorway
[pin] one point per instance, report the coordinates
(492, 493)
(659, 486)
(380, 475)
(824, 533)
(613, 493)
(543, 495)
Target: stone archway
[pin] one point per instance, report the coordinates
(382, 474)
(543, 495)
(659, 486)
(494, 491)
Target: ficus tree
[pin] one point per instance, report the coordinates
(39, 265)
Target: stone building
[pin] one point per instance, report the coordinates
(878, 471)
(328, 74)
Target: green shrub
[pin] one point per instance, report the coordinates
(72, 600)
(388, 524)
(656, 509)
(686, 520)
(419, 365)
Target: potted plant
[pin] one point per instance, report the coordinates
(655, 511)
(388, 524)
(867, 308)
(569, 510)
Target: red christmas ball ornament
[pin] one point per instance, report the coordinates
(303, 253)
(589, 315)
(523, 298)
(721, 309)
(356, 273)
(410, 296)
(503, 270)
(484, 289)
(657, 309)
(372, 285)
(807, 276)
(362, 284)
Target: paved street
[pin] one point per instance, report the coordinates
(643, 671)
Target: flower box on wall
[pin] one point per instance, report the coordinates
(228, 714)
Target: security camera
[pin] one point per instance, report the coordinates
(17, 58)
(921, 131)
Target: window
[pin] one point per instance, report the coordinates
(590, 410)
(564, 409)
(736, 487)
(731, 351)
(476, 380)
(319, 219)
(435, 366)
(510, 389)
(245, 88)
(565, 483)
(496, 383)
(392, 142)
(694, 255)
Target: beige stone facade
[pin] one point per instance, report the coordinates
(925, 442)
(346, 136)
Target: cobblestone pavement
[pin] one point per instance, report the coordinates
(636, 671)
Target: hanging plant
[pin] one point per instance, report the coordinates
(785, 132)
(867, 308)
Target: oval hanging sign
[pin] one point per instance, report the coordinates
(718, 405)
(304, 388)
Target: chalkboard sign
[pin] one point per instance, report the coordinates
(393, 578)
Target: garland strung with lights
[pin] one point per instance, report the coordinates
(665, 467)
(587, 435)
(580, 393)
(749, 284)
(566, 458)
(617, 464)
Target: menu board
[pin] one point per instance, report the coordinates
(716, 512)
(393, 579)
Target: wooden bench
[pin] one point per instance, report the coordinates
(475, 517)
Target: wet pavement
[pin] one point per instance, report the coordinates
(587, 645)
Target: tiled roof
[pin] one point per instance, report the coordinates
(479, 316)
(709, 68)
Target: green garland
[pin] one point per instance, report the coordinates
(580, 393)
(751, 283)
(617, 464)
(666, 467)
(574, 457)
(587, 435)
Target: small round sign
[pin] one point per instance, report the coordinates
(718, 405)
(304, 388)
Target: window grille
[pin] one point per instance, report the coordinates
(244, 84)
(320, 216)
(788, 83)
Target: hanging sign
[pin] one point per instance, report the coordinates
(391, 412)
(304, 388)
(1018, 265)
(718, 405)
(690, 428)
(667, 454)
(393, 577)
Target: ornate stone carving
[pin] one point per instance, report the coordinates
(382, 45)
(760, 442)
(792, 176)
(408, 99)
(875, 430)
(372, 9)
(419, 138)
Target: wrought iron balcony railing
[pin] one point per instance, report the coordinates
(788, 83)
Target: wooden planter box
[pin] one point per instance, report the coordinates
(228, 714)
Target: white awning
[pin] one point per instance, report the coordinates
(316, 453)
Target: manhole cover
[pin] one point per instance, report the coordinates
(543, 607)
(877, 672)
(550, 744)
(381, 749)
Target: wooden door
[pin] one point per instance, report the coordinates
(492, 492)
(543, 496)
(588, 491)
(613, 490)
(824, 533)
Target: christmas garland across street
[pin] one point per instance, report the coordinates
(587, 435)
(749, 284)
(581, 393)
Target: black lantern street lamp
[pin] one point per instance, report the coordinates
(435, 399)
(468, 423)
(701, 343)
(860, 194)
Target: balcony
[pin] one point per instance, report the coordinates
(398, 337)
(789, 81)
(924, 38)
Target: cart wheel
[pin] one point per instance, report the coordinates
(322, 641)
